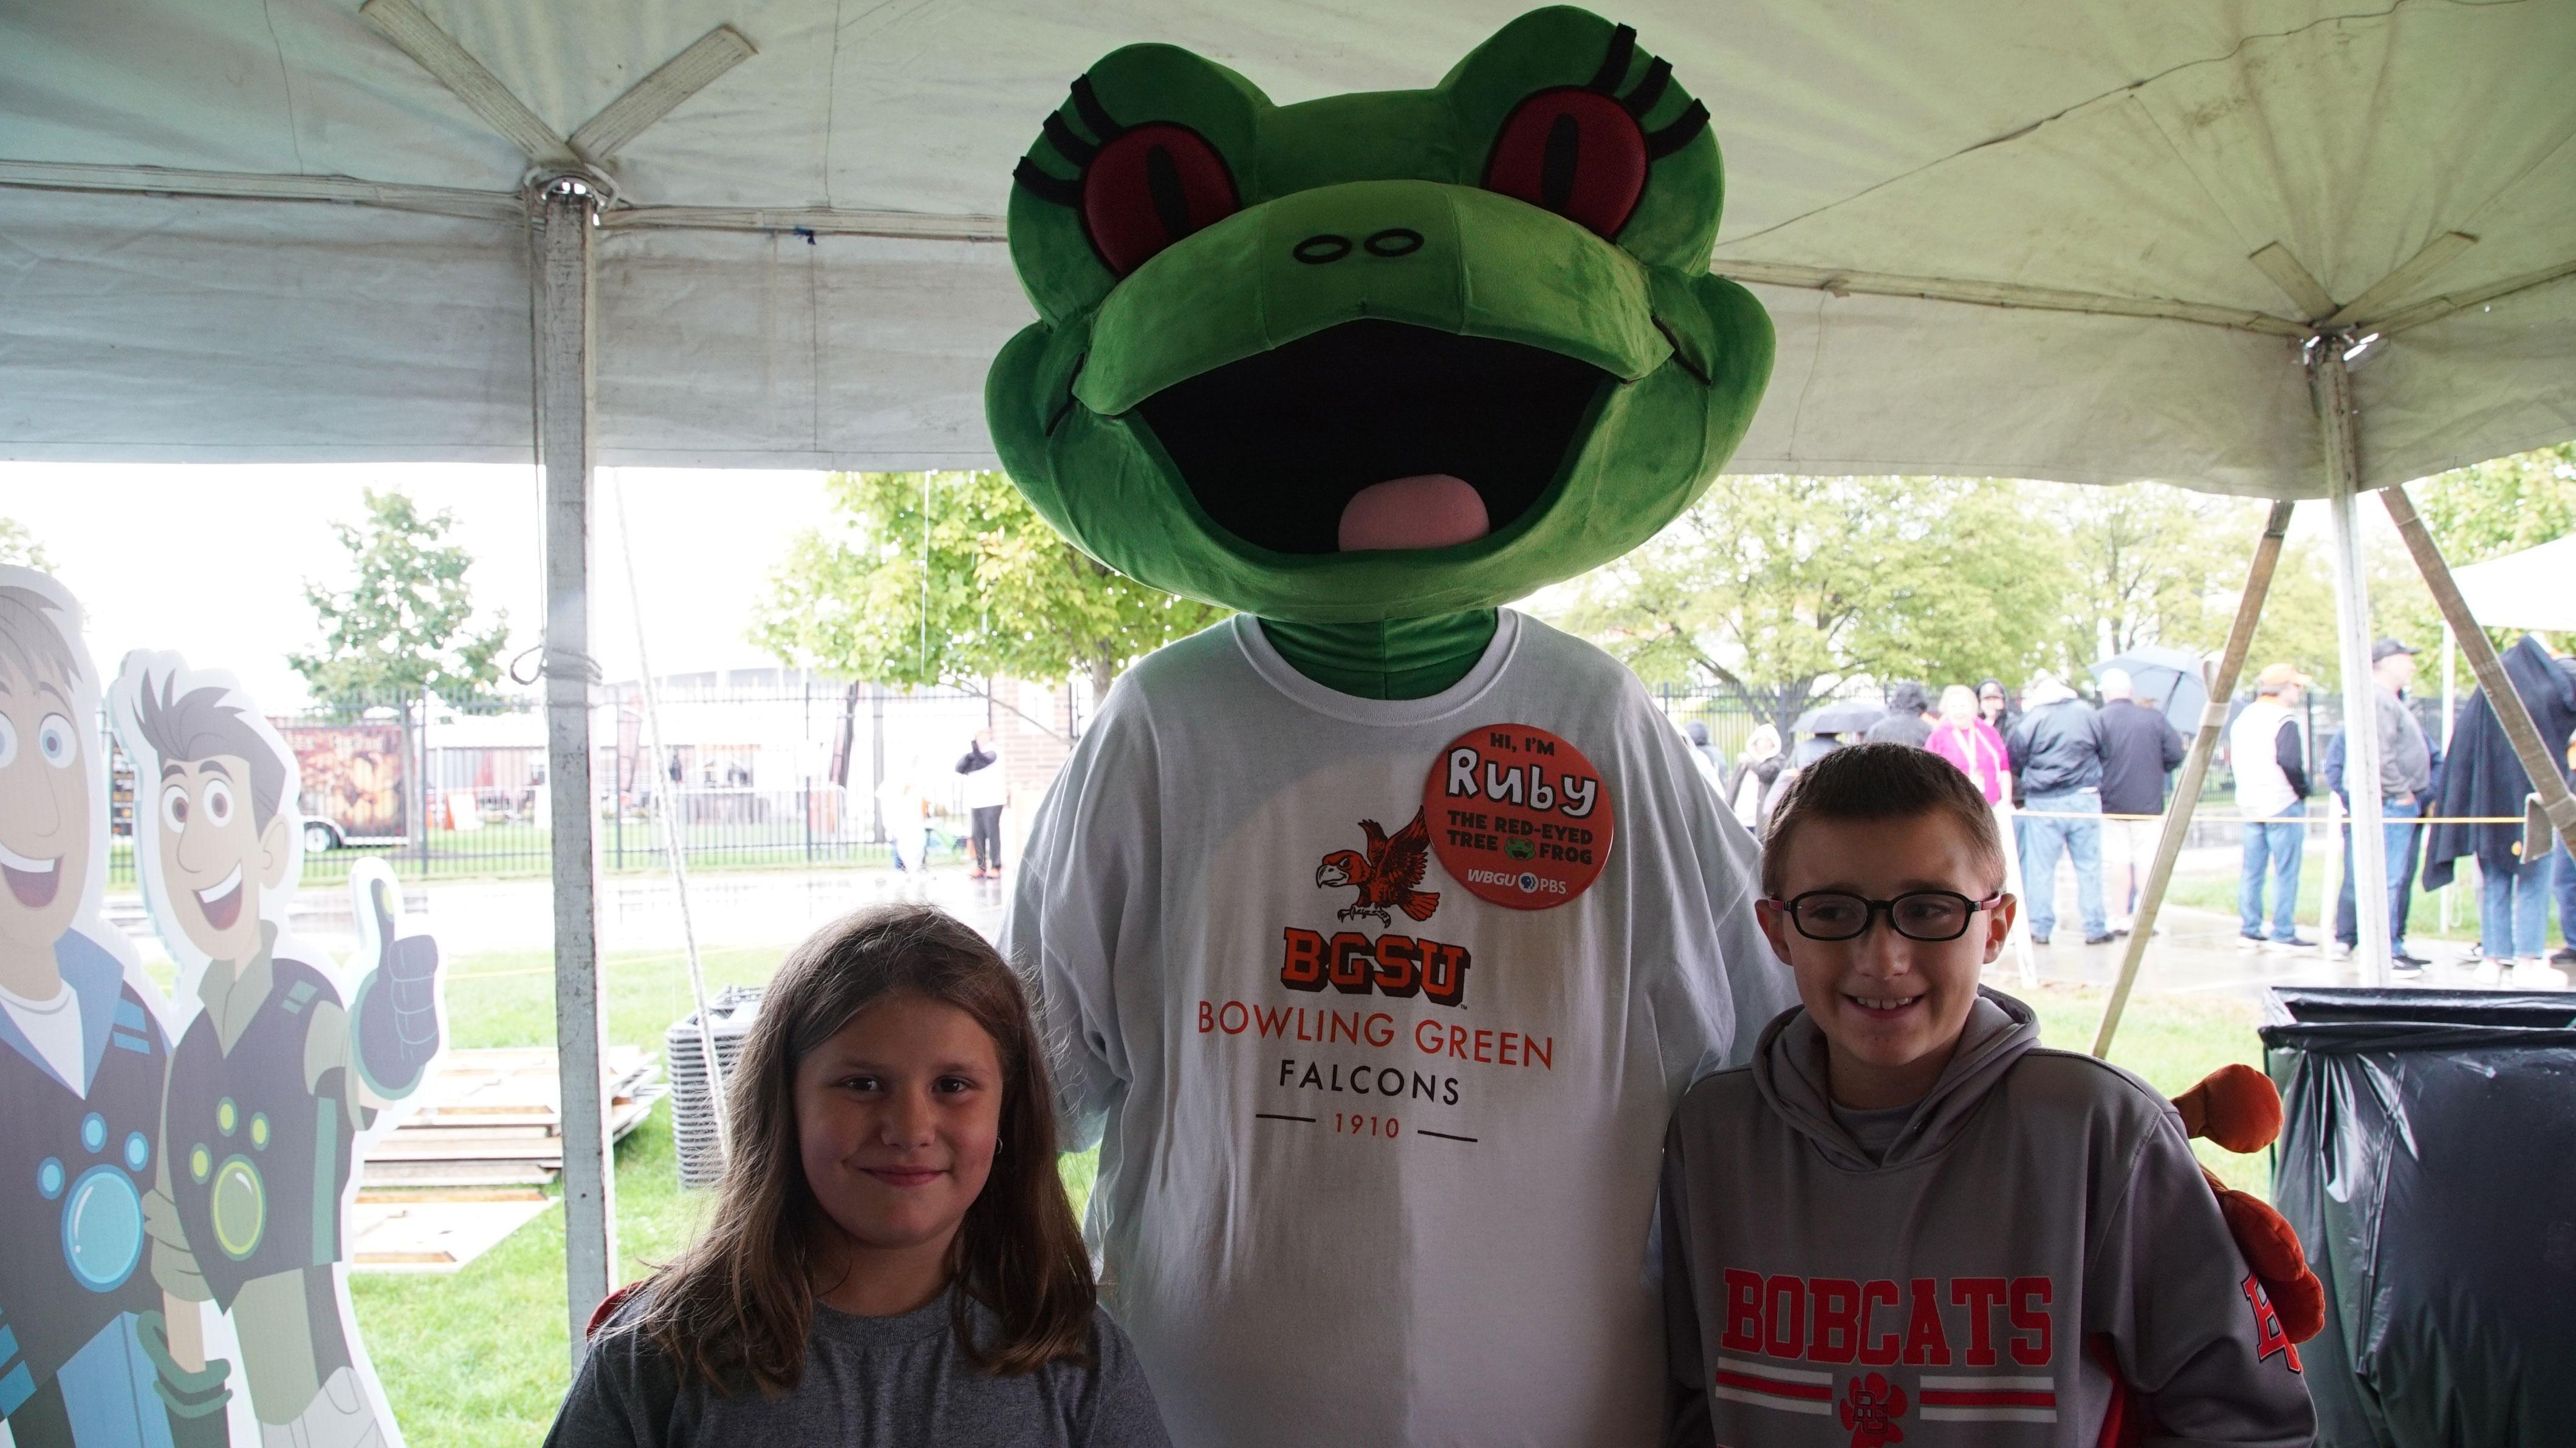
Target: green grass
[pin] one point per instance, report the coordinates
(480, 1357)
(2423, 911)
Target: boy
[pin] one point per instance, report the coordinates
(1905, 1222)
(272, 1081)
(82, 1060)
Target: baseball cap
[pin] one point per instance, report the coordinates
(2386, 647)
(2275, 676)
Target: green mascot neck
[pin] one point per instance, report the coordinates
(1401, 658)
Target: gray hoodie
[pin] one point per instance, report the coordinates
(2036, 1213)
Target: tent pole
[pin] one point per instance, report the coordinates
(2450, 667)
(2368, 858)
(2195, 769)
(2548, 776)
(564, 208)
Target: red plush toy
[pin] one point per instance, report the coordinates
(2237, 1107)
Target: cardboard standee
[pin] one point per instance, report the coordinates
(197, 1154)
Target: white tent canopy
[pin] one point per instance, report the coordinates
(799, 269)
(2530, 589)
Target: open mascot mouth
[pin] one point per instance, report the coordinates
(1375, 434)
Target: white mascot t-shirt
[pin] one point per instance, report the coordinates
(1379, 1154)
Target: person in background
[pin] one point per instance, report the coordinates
(2405, 783)
(1758, 767)
(2056, 753)
(1909, 718)
(1711, 764)
(2563, 869)
(988, 789)
(1964, 738)
(907, 816)
(1995, 706)
(2139, 749)
(2484, 777)
(2271, 792)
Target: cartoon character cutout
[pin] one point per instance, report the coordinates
(281, 1073)
(86, 1335)
(1386, 875)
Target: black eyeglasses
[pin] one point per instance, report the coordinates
(1928, 915)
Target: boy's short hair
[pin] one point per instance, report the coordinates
(1879, 782)
(32, 639)
(204, 723)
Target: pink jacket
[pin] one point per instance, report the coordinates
(1976, 749)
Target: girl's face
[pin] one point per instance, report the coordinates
(897, 1116)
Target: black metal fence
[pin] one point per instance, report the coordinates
(757, 768)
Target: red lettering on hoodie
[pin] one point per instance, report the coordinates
(1880, 1351)
(1786, 1331)
(1981, 1296)
(1925, 1343)
(2030, 1299)
(1743, 1312)
(1836, 1315)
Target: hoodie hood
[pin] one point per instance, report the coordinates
(1789, 1071)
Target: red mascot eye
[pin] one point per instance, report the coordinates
(1153, 185)
(1576, 152)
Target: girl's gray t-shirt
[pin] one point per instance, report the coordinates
(868, 1381)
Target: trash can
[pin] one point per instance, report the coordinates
(693, 1117)
(2428, 1161)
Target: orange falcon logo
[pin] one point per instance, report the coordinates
(1386, 875)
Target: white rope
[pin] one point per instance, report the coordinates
(671, 841)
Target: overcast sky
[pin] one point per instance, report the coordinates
(212, 560)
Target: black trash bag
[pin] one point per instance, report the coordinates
(2428, 1162)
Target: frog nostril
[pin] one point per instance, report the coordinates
(1321, 248)
(1394, 241)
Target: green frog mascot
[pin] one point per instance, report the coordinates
(1378, 928)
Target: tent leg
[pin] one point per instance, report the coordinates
(2548, 776)
(2368, 859)
(2450, 713)
(563, 301)
(2195, 769)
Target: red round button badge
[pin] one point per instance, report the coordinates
(1518, 816)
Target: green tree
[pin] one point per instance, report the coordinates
(407, 622)
(976, 586)
(19, 546)
(2503, 505)
(1778, 589)
(2143, 558)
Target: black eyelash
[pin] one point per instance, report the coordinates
(1684, 130)
(1094, 114)
(1614, 66)
(1045, 187)
(1642, 98)
(1069, 144)
(1649, 90)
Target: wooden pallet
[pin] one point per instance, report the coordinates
(488, 1120)
(436, 1232)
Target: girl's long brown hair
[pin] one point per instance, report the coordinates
(735, 1307)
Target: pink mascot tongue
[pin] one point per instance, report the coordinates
(1430, 510)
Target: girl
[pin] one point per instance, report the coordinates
(892, 1259)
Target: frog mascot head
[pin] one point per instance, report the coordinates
(1369, 365)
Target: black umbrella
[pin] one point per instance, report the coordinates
(2169, 676)
(1842, 717)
